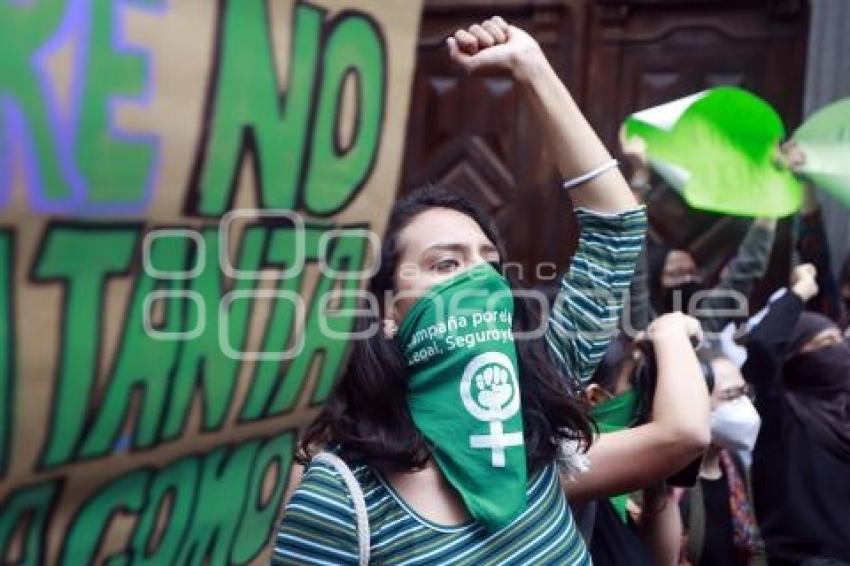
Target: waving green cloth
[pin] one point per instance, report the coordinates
(825, 139)
(717, 148)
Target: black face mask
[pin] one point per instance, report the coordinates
(818, 386)
(826, 370)
(679, 298)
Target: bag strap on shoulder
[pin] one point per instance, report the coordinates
(356, 497)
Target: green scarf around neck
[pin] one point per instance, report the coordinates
(464, 390)
(617, 413)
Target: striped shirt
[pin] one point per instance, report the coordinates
(319, 525)
(589, 303)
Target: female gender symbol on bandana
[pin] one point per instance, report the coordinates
(496, 399)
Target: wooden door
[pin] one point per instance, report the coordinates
(616, 56)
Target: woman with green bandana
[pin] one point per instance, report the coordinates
(618, 402)
(652, 421)
(454, 408)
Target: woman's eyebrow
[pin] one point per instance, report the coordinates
(448, 246)
(828, 334)
(460, 248)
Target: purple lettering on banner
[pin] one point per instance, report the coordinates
(63, 122)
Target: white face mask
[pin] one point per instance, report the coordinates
(735, 425)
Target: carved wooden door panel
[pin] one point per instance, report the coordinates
(646, 52)
(616, 56)
(474, 135)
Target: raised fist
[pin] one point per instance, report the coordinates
(493, 45)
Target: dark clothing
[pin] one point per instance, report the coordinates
(709, 518)
(801, 488)
(818, 383)
(813, 247)
(614, 542)
(639, 312)
(718, 546)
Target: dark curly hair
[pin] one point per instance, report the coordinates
(367, 415)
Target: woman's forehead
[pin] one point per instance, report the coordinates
(825, 334)
(726, 374)
(679, 257)
(441, 227)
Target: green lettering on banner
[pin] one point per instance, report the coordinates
(347, 254)
(202, 360)
(354, 51)
(215, 508)
(175, 488)
(116, 169)
(276, 387)
(145, 362)
(85, 535)
(258, 517)
(278, 331)
(26, 508)
(7, 350)
(247, 110)
(24, 30)
(82, 257)
(220, 496)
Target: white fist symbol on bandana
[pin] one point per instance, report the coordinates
(496, 399)
(495, 387)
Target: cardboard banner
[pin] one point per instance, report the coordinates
(182, 186)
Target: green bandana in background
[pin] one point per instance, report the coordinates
(615, 414)
(464, 390)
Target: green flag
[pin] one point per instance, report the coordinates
(717, 148)
(825, 140)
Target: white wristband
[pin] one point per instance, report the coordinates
(572, 183)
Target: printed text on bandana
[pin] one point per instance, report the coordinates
(459, 331)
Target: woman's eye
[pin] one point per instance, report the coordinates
(445, 265)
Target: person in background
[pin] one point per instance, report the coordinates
(666, 279)
(844, 322)
(676, 431)
(812, 245)
(800, 368)
(674, 277)
(621, 396)
(717, 512)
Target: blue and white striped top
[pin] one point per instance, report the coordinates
(320, 527)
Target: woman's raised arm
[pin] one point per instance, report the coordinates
(678, 432)
(576, 148)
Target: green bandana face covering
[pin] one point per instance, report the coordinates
(615, 414)
(464, 390)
